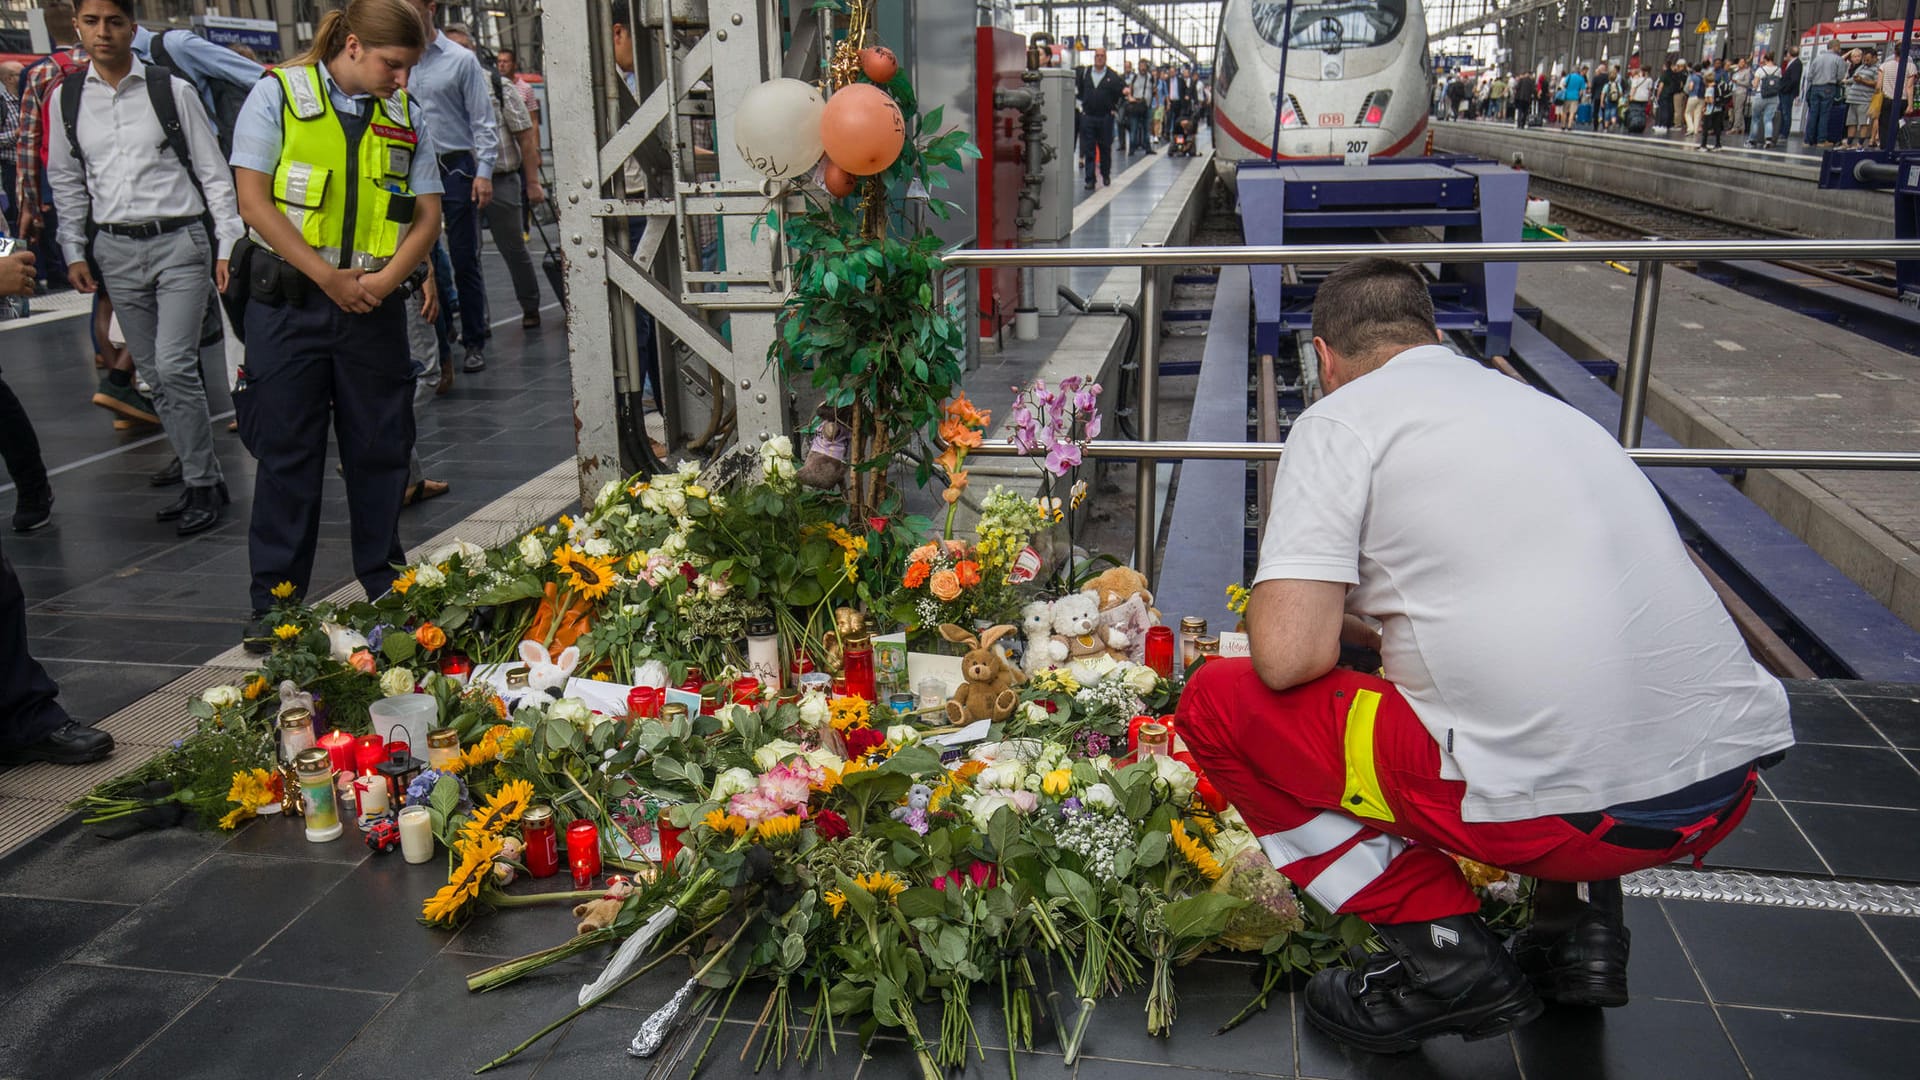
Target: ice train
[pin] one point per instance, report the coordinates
(1357, 81)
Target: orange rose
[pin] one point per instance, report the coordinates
(362, 661)
(945, 586)
(969, 572)
(923, 553)
(430, 637)
(916, 575)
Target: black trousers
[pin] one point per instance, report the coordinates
(1096, 145)
(29, 709)
(19, 447)
(309, 363)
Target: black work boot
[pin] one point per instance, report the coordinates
(1447, 977)
(1576, 954)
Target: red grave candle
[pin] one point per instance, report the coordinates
(543, 846)
(369, 752)
(456, 666)
(1160, 650)
(339, 746)
(746, 690)
(695, 682)
(583, 852)
(643, 702)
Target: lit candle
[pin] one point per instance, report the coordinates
(543, 848)
(416, 834)
(339, 747)
(457, 667)
(443, 747)
(371, 788)
(583, 852)
(368, 752)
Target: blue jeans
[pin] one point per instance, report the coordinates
(1819, 104)
(1764, 114)
(463, 245)
(1139, 123)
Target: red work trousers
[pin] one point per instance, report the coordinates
(1367, 830)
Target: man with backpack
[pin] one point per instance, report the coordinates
(516, 178)
(223, 78)
(37, 85)
(146, 207)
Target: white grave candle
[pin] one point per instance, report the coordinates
(416, 834)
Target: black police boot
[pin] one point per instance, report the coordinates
(203, 508)
(257, 635)
(1576, 954)
(1446, 977)
(166, 477)
(68, 744)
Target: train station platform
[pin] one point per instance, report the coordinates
(1773, 189)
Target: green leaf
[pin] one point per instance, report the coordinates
(1067, 885)
(912, 761)
(451, 619)
(397, 647)
(922, 902)
(1151, 849)
(1003, 829)
(445, 795)
(1200, 917)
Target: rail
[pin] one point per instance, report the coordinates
(1650, 257)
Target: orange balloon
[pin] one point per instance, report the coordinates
(838, 182)
(862, 129)
(879, 63)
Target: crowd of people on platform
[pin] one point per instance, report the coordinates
(1839, 95)
(1139, 108)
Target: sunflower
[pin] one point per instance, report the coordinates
(846, 713)
(282, 590)
(510, 801)
(836, 901)
(722, 821)
(778, 830)
(286, 631)
(1195, 853)
(405, 581)
(463, 885)
(881, 885)
(588, 575)
(255, 687)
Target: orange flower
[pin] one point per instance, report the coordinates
(430, 637)
(945, 586)
(923, 553)
(916, 575)
(362, 661)
(969, 572)
(952, 494)
(963, 411)
(959, 435)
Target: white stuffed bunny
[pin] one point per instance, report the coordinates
(1044, 651)
(546, 672)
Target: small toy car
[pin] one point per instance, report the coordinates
(382, 833)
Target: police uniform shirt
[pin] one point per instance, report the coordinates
(259, 131)
(455, 93)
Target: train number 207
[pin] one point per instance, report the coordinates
(1356, 146)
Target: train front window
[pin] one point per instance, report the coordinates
(1331, 26)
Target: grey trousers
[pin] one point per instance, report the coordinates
(503, 218)
(160, 288)
(423, 348)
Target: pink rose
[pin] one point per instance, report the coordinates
(362, 661)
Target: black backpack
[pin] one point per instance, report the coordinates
(1770, 84)
(228, 96)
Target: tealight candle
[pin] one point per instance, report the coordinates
(416, 834)
(583, 852)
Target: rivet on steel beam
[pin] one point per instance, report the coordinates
(593, 252)
(574, 198)
(576, 238)
(761, 398)
(736, 19)
(746, 384)
(721, 34)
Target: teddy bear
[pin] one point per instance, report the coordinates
(1044, 651)
(826, 466)
(987, 693)
(1126, 607)
(1076, 624)
(914, 814)
(599, 914)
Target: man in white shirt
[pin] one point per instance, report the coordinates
(151, 246)
(515, 171)
(1564, 697)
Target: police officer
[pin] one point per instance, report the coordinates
(344, 208)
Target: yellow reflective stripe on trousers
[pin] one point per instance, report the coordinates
(1363, 797)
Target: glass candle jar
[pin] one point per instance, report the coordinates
(314, 767)
(443, 748)
(674, 710)
(416, 834)
(543, 845)
(368, 752)
(296, 732)
(763, 651)
(1207, 648)
(1191, 630)
(643, 702)
(1160, 650)
(901, 704)
(746, 691)
(583, 852)
(1155, 741)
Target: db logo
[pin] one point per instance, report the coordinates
(1332, 119)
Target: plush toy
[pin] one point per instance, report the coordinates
(510, 851)
(826, 466)
(1043, 650)
(914, 814)
(1126, 609)
(987, 693)
(545, 671)
(597, 914)
(1076, 625)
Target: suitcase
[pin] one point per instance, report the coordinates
(550, 262)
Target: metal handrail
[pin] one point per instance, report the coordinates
(1650, 255)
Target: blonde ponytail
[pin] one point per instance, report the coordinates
(379, 24)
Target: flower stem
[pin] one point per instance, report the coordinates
(504, 900)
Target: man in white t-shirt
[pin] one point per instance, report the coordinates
(1564, 698)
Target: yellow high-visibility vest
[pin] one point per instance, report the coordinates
(330, 190)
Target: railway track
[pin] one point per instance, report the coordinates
(1607, 215)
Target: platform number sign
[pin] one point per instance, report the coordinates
(1596, 24)
(1140, 40)
(1665, 20)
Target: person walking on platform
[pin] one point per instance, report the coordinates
(1767, 84)
(1697, 98)
(325, 317)
(19, 446)
(33, 726)
(1790, 83)
(1572, 92)
(1574, 709)
(1640, 88)
(516, 179)
(453, 97)
(1522, 100)
(147, 212)
(1139, 108)
(1716, 98)
(1099, 89)
(1824, 75)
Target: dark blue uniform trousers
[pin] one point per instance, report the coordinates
(29, 709)
(308, 362)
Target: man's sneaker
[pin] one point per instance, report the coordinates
(124, 401)
(1450, 976)
(476, 358)
(1586, 965)
(32, 512)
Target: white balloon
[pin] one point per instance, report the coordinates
(777, 129)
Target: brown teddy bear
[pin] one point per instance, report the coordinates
(988, 692)
(1126, 608)
(599, 914)
(825, 468)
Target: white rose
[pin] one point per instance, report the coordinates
(1176, 774)
(429, 576)
(573, 711)
(470, 554)
(1100, 797)
(606, 493)
(717, 587)
(1139, 678)
(599, 547)
(983, 807)
(903, 735)
(814, 709)
(1230, 844)
(773, 753)
(1033, 713)
(731, 783)
(825, 759)
(730, 715)
(1003, 775)
(221, 697)
(675, 502)
(396, 681)
(688, 472)
(533, 554)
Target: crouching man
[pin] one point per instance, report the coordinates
(1564, 696)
